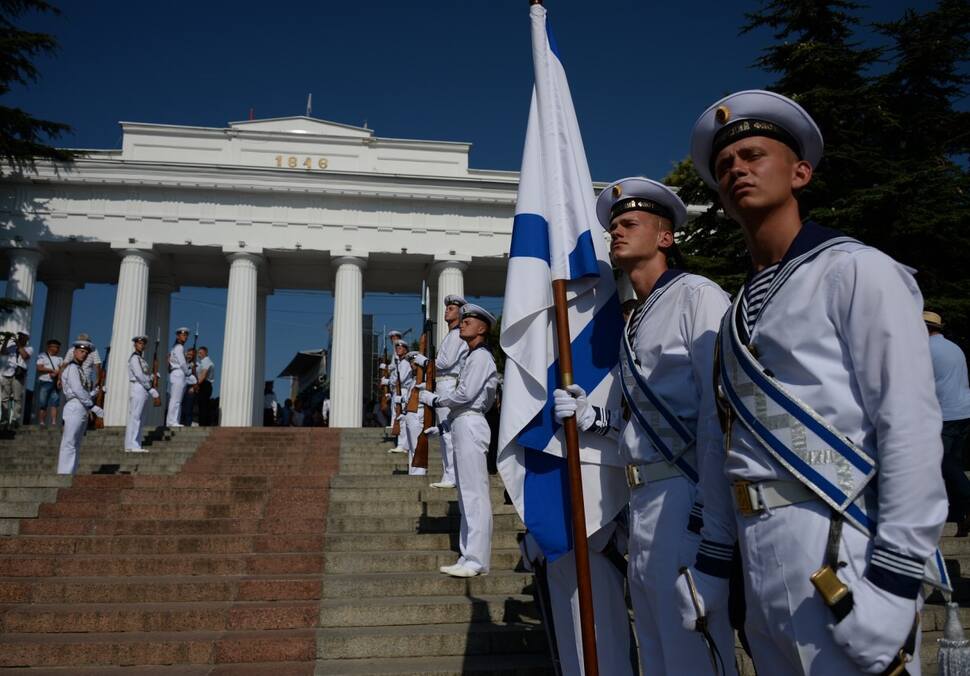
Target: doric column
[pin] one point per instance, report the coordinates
(57, 313)
(131, 304)
(157, 326)
(239, 349)
(451, 280)
(346, 366)
(21, 281)
(259, 375)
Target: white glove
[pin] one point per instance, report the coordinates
(712, 596)
(97, 411)
(876, 627)
(573, 402)
(153, 393)
(381, 366)
(421, 386)
(411, 355)
(397, 398)
(432, 431)
(420, 359)
(383, 381)
(427, 398)
(191, 380)
(387, 396)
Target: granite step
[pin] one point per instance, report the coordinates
(408, 560)
(472, 665)
(422, 610)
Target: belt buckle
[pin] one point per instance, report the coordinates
(633, 476)
(742, 498)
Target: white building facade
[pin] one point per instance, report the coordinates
(288, 203)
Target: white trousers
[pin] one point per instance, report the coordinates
(446, 386)
(412, 427)
(609, 611)
(137, 398)
(176, 390)
(75, 423)
(658, 548)
(471, 436)
(787, 622)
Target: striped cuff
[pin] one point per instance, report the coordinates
(696, 519)
(714, 558)
(895, 573)
(601, 424)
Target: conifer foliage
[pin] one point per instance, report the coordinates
(23, 137)
(894, 173)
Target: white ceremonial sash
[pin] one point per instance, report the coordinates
(666, 431)
(835, 468)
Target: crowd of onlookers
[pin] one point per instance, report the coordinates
(311, 408)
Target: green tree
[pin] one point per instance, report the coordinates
(23, 137)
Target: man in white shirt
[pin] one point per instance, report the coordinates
(48, 371)
(15, 356)
(953, 393)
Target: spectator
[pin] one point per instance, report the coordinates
(325, 410)
(296, 418)
(14, 358)
(953, 392)
(48, 372)
(270, 406)
(207, 376)
(286, 414)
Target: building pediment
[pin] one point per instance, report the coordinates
(301, 124)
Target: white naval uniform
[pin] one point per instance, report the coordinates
(473, 396)
(412, 422)
(139, 386)
(843, 333)
(76, 390)
(392, 375)
(179, 372)
(673, 341)
(448, 363)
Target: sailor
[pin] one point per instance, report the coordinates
(179, 376)
(827, 384)
(666, 362)
(77, 388)
(448, 362)
(467, 403)
(139, 391)
(411, 421)
(400, 441)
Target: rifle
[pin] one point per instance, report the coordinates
(157, 401)
(396, 427)
(195, 360)
(420, 458)
(385, 374)
(99, 399)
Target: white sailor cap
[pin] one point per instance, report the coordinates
(454, 299)
(478, 312)
(86, 344)
(401, 343)
(394, 332)
(639, 194)
(182, 329)
(135, 339)
(753, 112)
(23, 332)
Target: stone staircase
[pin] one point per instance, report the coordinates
(386, 609)
(214, 570)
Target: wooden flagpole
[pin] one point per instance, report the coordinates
(571, 432)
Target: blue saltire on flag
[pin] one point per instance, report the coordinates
(555, 236)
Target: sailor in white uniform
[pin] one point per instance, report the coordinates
(77, 390)
(411, 421)
(401, 440)
(140, 390)
(666, 358)
(825, 376)
(467, 404)
(448, 363)
(179, 376)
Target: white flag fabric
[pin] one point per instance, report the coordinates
(556, 236)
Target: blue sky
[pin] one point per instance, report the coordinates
(640, 73)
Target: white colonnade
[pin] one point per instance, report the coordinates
(131, 305)
(239, 346)
(259, 372)
(57, 313)
(451, 280)
(21, 281)
(346, 375)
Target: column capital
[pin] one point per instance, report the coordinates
(163, 286)
(63, 283)
(450, 264)
(242, 247)
(146, 255)
(256, 258)
(25, 253)
(360, 260)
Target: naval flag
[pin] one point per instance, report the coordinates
(555, 236)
